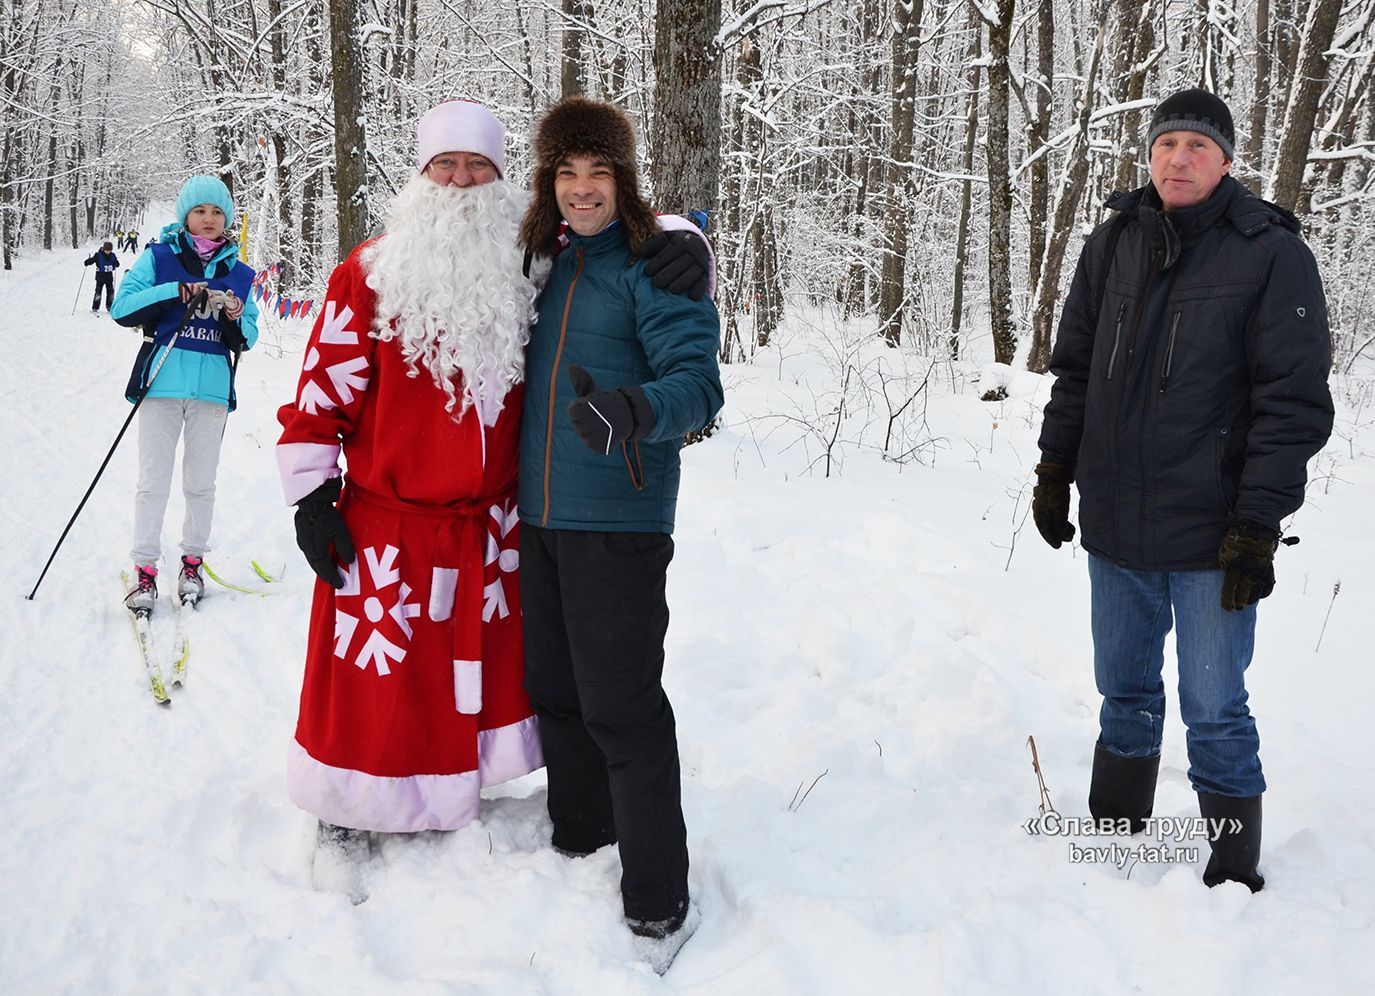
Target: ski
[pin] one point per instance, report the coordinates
(181, 642)
(143, 632)
(262, 573)
(230, 585)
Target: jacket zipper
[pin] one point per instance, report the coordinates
(1156, 260)
(553, 380)
(1116, 338)
(1169, 355)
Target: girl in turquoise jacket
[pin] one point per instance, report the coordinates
(186, 367)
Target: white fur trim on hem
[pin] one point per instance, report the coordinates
(305, 466)
(509, 751)
(420, 802)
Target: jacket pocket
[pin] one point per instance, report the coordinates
(634, 465)
(1168, 362)
(1219, 459)
(1116, 338)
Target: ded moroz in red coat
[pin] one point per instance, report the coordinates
(412, 699)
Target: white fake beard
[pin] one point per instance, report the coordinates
(450, 291)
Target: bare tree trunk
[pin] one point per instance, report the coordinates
(864, 166)
(1260, 97)
(1038, 133)
(1301, 108)
(766, 293)
(49, 185)
(1136, 36)
(350, 135)
(1286, 42)
(897, 222)
(288, 241)
(687, 105)
(1066, 205)
(971, 134)
(1000, 186)
(75, 158)
(572, 78)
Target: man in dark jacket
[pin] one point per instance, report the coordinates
(106, 263)
(616, 373)
(1191, 368)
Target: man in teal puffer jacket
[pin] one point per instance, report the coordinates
(617, 372)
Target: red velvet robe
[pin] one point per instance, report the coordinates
(412, 698)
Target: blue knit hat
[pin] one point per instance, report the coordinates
(204, 189)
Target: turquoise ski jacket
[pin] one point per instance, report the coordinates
(149, 298)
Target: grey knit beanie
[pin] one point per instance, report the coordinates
(1194, 110)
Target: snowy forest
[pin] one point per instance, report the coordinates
(924, 166)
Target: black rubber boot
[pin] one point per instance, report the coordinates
(1122, 787)
(1236, 852)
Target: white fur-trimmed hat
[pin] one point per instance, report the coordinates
(460, 126)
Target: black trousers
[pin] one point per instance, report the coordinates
(595, 615)
(105, 282)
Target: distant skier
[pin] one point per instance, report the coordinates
(131, 240)
(194, 389)
(106, 263)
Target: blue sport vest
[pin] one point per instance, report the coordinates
(202, 333)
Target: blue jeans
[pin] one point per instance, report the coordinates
(1132, 613)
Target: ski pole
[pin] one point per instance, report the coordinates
(78, 290)
(196, 302)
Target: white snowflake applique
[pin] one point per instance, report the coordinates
(502, 551)
(347, 375)
(387, 626)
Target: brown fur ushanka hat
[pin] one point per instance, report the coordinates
(577, 126)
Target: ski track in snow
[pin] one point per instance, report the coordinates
(862, 626)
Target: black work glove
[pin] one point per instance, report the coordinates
(1247, 557)
(678, 262)
(318, 525)
(604, 418)
(1050, 503)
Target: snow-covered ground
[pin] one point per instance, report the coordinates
(886, 637)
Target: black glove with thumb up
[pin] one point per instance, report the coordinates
(602, 419)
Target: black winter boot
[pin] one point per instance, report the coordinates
(1236, 852)
(1122, 787)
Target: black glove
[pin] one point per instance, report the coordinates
(318, 525)
(231, 336)
(678, 262)
(604, 418)
(1050, 503)
(1247, 557)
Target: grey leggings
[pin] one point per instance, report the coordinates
(160, 423)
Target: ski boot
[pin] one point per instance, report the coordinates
(141, 597)
(190, 584)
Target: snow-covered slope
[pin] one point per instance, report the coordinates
(867, 640)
